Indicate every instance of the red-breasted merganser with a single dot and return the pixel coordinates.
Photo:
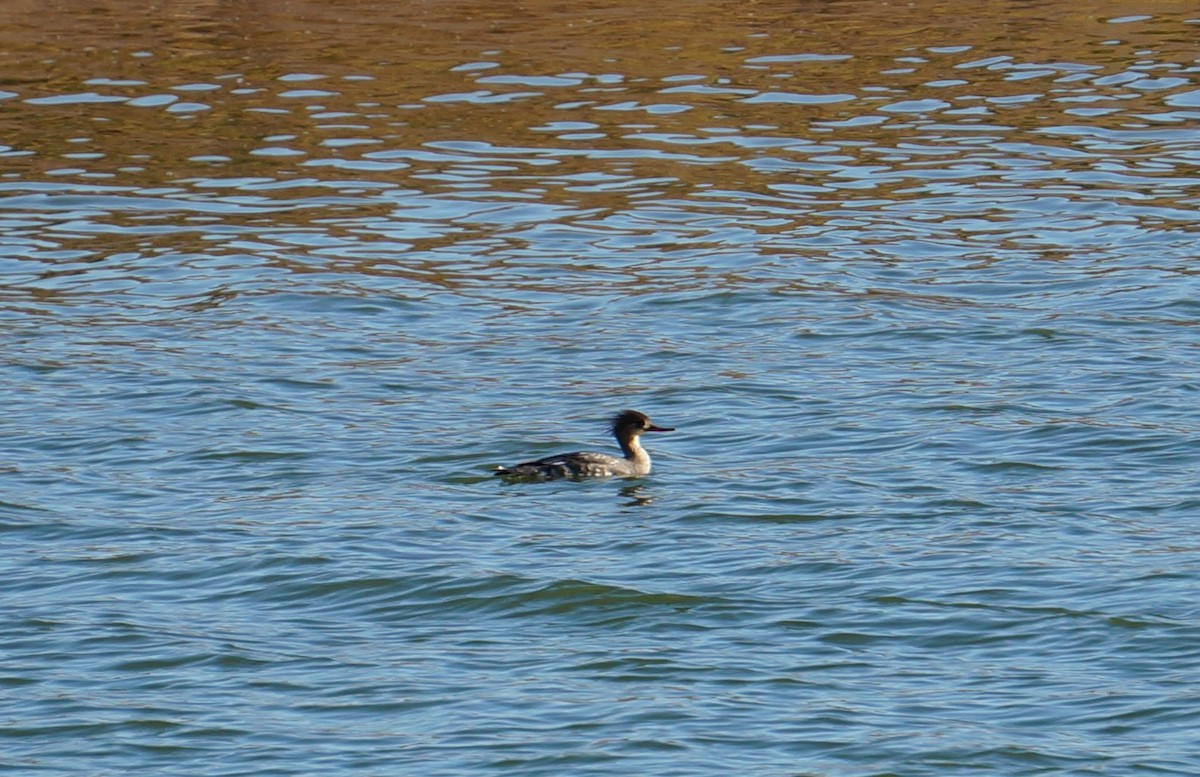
(627, 427)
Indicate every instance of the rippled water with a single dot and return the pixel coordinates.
(917, 285)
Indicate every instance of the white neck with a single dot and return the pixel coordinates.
(636, 455)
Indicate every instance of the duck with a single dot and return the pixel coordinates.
(627, 427)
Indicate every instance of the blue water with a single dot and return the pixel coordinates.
(927, 326)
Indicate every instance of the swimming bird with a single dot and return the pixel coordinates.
(627, 427)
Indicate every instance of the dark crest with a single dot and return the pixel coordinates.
(630, 418)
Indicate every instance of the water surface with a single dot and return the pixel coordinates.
(279, 285)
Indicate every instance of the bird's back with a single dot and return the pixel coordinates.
(580, 464)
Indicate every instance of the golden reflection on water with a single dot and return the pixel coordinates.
(348, 117)
(268, 85)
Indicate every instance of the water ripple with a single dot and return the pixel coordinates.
(917, 295)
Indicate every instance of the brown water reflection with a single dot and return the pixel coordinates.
(393, 128)
(107, 89)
